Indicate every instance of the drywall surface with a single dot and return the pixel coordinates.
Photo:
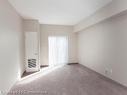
(56, 30)
(11, 47)
(30, 25)
(111, 9)
(103, 48)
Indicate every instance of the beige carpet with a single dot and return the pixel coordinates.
(68, 80)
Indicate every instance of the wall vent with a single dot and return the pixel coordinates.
(31, 63)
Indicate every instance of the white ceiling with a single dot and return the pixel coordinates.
(59, 12)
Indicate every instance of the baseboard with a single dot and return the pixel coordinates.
(72, 63)
(44, 66)
(105, 78)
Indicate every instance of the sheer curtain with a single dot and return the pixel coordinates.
(58, 50)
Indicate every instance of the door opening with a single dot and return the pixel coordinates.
(32, 51)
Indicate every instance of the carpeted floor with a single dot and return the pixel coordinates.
(67, 80)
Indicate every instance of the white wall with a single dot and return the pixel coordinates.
(104, 47)
(111, 9)
(30, 25)
(11, 46)
(47, 30)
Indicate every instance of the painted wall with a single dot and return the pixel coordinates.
(30, 25)
(47, 30)
(103, 48)
(11, 46)
(111, 9)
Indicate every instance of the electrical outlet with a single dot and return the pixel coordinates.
(108, 72)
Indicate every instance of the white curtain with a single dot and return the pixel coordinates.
(58, 50)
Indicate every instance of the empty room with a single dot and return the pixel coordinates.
(63, 47)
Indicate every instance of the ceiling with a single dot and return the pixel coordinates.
(59, 12)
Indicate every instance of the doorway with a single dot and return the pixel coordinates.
(32, 51)
(58, 50)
